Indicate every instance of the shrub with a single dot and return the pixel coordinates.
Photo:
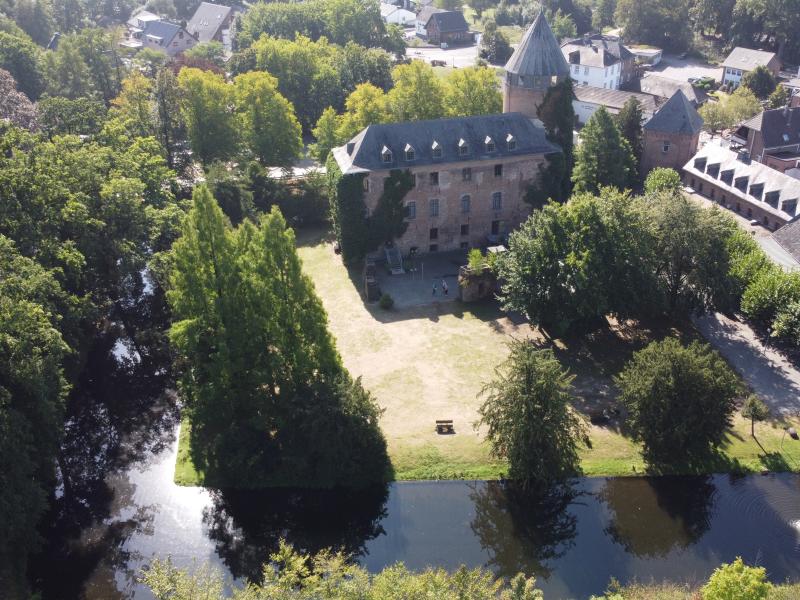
(386, 302)
(662, 179)
(787, 323)
(770, 290)
(738, 581)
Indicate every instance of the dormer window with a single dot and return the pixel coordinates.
(757, 190)
(713, 170)
(409, 152)
(727, 176)
(463, 147)
(511, 142)
(741, 183)
(772, 198)
(386, 155)
(436, 149)
(489, 143)
(700, 163)
(789, 206)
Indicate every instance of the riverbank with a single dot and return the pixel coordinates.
(430, 362)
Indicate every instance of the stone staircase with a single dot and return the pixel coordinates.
(394, 259)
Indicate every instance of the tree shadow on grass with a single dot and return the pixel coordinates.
(715, 461)
(774, 462)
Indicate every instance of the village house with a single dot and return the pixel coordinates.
(588, 99)
(397, 15)
(443, 26)
(158, 35)
(471, 175)
(211, 22)
(599, 61)
(743, 60)
(750, 188)
(772, 138)
(536, 65)
(671, 136)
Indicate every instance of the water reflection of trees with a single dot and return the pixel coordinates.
(118, 414)
(655, 515)
(523, 531)
(247, 525)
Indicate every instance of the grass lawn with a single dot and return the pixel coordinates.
(431, 362)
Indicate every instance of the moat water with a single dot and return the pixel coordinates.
(119, 508)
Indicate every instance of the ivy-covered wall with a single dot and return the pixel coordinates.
(357, 233)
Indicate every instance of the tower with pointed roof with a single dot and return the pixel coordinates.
(536, 64)
(671, 136)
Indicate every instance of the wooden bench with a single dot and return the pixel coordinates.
(444, 426)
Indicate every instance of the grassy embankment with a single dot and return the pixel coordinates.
(431, 363)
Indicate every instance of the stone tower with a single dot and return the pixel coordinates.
(671, 136)
(535, 65)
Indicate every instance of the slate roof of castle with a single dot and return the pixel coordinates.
(676, 116)
(538, 54)
(367, 147)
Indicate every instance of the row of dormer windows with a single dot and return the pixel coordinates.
(742, 183)
(410, 153)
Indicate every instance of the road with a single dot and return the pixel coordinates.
(760, 234)
(459, 56)
(766, 371)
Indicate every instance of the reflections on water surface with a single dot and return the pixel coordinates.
(118, 508)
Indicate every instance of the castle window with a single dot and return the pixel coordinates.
(434, 233)
(465, 229)
(436, 149)
(434, 207)
(409, 152)
(465, 203)
(411, 210)
(489, 142)
(386, 155)
(434, 178)
(463, 147)
(498, 170)
(665, 146)
(511, 142)
(497, 200)
(466, 174)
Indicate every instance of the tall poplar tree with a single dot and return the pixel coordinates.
(629, 121)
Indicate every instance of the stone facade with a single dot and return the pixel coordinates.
(525, 100)
(439, 216)
(670, 150)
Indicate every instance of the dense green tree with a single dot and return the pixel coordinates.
(742, 105)
(365, 106)
(170, 126)
(20, 57)
(679, 400)
(604, 157)
(268, 125)
(206, 109)
(663, 23)
(135, 106)
(569, 266)
(662, 179)
(761, 82)
(478, 6)
(713, 15)
(558, 116)
(692, 249)
(212, 51)
(715, 117)
(264, 386)
(418, 94)
(777, 19)
(786, 325)
(60, 116)
(779, 98)
(629, 122)
(769, 290)
(35, 17)
(563, 25)
(326, 135)
(472, 91)
(531, 388)
(447, 4)
(603, 14)
(737, 580)
(328, 576)
(32, 393)
(69, 15)
(495, 47)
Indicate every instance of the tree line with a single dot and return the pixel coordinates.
(291, 575)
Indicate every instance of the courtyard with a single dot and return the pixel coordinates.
(428, 359)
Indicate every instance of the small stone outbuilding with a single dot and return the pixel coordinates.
(671, 136)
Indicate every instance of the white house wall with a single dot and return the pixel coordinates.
(607, 77)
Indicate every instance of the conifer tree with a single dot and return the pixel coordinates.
(604, 157)
(629, 121)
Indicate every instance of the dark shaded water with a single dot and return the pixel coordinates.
(119, 508)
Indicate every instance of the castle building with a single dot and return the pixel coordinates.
(536, 65)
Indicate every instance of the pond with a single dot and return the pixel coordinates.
(118, 508)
